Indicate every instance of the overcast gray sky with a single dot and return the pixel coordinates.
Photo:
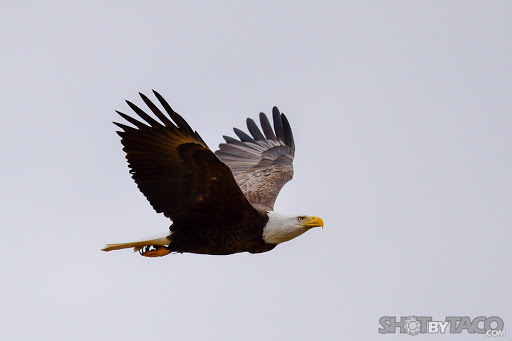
(402, 115)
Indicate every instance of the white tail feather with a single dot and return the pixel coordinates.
(162, 239)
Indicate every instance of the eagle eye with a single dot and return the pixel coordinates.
(300, 218)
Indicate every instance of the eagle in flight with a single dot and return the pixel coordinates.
(219, 203)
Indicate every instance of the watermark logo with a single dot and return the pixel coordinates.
(414, 325)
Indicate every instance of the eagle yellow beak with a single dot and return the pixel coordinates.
(312, 222)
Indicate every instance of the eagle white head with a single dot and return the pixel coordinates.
(282, 228)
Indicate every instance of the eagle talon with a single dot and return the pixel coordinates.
(154, 251)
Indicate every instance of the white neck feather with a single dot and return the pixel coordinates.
(281, 228)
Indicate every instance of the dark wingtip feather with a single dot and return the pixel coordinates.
(156, 111)
(267, 128)
(156, 93)
(288, 135)
(254, 130)
(278, 125)
(152, 122)
(229, 139)
(180, 122)
(123, 126)
(243, 136)
(133, 121)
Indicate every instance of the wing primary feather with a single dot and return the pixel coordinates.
(259, 145)
(230, 139)
(254, 130)
(124, 127)
(288, 135)
(267, 128)
(243, 136)
(278, 125)
(143, 115)
(133, 121)
(180, 122)
(167, 122)
(234, 141)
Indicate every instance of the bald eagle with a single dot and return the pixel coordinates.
(219, 203)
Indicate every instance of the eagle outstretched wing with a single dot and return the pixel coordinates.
(261, 164)
(176, 171)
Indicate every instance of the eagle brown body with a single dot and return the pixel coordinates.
(210, 239)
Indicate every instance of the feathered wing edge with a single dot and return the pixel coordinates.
(173, 167)
(262, 163)
(247, 152)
